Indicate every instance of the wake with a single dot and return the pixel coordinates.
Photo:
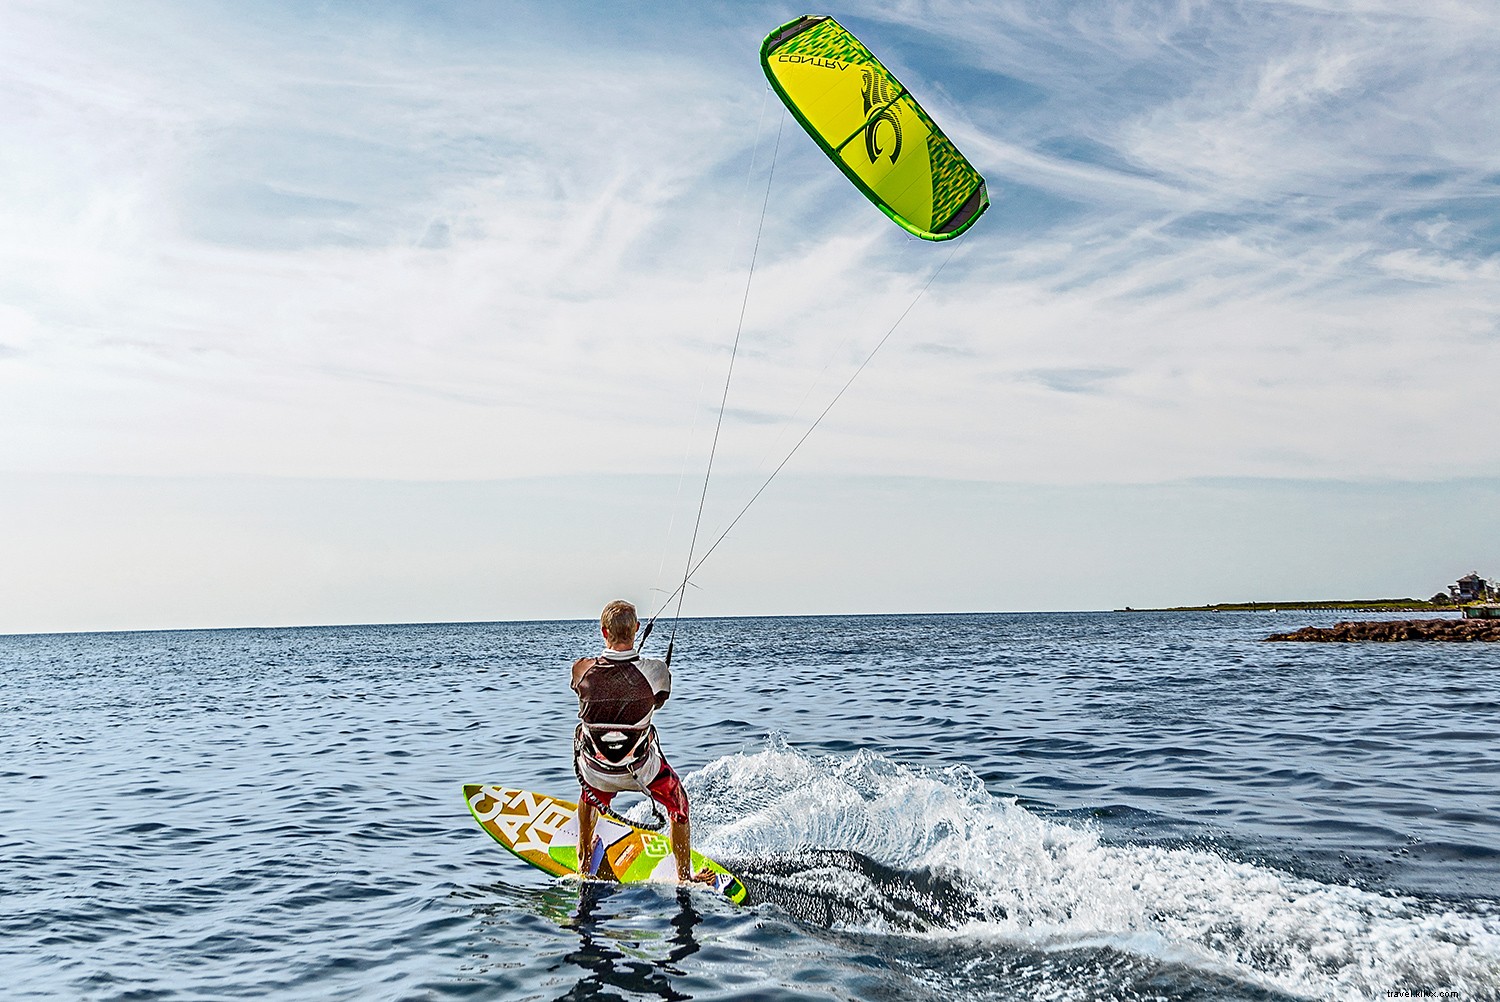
(865, 844)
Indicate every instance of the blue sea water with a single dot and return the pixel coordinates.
(1060, 806)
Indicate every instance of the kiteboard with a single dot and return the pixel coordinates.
(543, 831)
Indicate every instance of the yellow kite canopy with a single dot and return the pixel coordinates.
(872, 128)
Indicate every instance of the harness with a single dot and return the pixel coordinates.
(614, 749)
(633, 752)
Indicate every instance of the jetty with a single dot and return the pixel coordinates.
(1463, 631)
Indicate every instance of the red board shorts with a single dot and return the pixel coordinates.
(666, 789)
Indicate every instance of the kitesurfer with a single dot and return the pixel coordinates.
(615, 747)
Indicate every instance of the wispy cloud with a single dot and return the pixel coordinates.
(445, 252)
(1072, 380)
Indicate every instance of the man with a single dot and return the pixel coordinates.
(615, 748)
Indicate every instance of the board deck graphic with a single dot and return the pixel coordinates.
(543, 831)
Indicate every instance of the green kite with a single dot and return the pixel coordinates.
(868, 124)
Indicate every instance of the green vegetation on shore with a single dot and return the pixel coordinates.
(1378, 604)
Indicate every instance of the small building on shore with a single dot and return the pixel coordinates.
(1473, 588)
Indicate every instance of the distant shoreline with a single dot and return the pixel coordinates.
(1355, 605)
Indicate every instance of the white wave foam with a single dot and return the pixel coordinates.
(1054, 886)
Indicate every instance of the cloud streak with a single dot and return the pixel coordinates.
(1255, 217)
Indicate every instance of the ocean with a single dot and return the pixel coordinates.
(1044, 806)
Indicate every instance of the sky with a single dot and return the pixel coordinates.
(422, 312)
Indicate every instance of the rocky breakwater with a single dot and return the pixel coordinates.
(1448, 630)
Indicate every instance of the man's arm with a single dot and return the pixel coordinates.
(660, 676)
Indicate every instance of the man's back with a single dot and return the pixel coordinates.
(620, 690)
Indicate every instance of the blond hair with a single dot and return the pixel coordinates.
(619, 621)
